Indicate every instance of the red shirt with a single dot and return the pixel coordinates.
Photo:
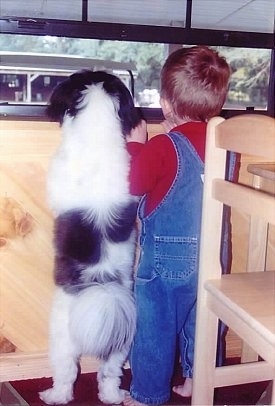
(154, 164)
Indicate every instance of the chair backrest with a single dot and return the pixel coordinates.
(248, 134)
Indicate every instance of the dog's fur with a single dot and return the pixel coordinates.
(93, 311)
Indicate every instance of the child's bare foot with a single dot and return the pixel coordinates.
(184, 390)
(129, 401)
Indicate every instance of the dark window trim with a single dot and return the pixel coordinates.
(151, 115)
(138, 33)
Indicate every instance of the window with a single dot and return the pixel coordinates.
(238, 15)
(249, 79)
(34, 80)
(132, 39)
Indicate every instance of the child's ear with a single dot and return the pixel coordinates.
(166, 107)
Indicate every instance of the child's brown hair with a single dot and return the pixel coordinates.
(195, 82)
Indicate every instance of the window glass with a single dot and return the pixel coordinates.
(162, 12)
(34, 84)
(250, 77)
(42, 9)
(238, 15)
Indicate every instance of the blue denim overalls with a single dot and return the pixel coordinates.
(166, 281)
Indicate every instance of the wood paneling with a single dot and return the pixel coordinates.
(26, 253)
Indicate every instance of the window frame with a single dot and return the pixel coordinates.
(137, 33)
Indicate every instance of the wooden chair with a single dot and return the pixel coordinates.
(243, 301)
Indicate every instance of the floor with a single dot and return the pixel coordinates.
(86, 392)
(86, 387)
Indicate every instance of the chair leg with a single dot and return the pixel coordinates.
(205, 358)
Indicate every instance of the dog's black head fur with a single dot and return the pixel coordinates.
(67, 95)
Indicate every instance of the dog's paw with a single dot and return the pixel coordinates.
(115, 398)
(56, 396)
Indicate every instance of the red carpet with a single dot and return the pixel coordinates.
(86, 391)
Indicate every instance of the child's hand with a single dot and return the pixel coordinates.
(138, 134)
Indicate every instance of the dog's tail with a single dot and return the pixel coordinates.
(103, 319)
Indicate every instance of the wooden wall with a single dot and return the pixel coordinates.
(26, 232)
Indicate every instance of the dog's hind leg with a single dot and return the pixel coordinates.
(64, 377)
(63, 354)
(108, 378)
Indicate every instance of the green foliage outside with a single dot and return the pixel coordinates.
(250, 67)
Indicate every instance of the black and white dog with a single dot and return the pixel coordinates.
(93, 311)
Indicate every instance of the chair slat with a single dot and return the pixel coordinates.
(231, 135)
(245, 199)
